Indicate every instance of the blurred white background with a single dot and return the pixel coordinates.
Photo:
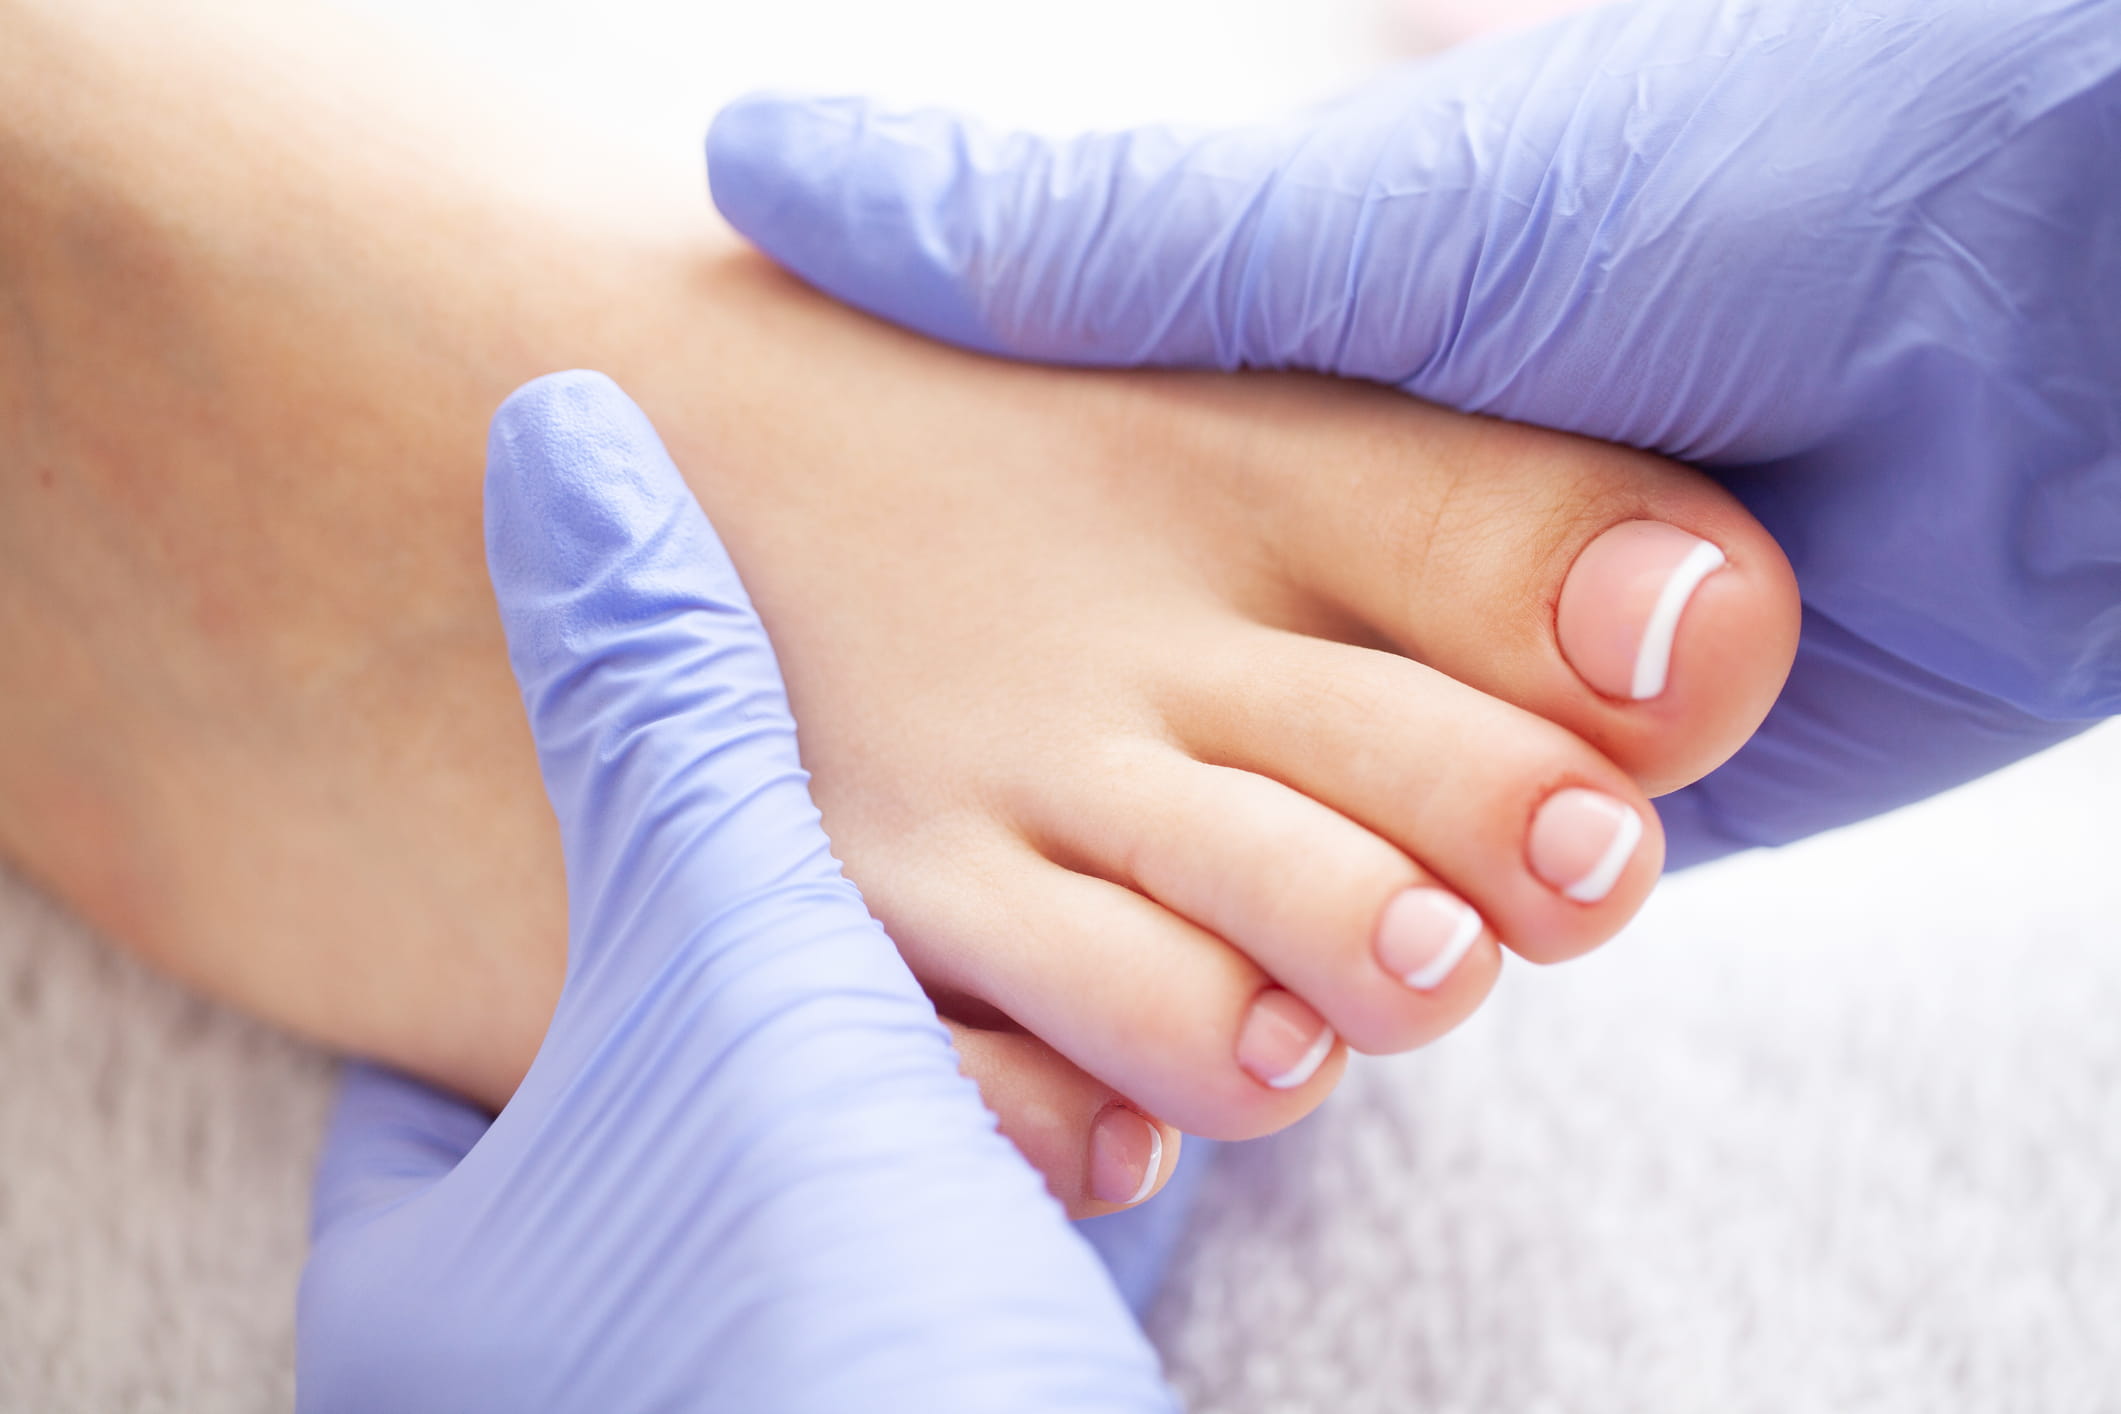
(1838, 1129)
(659, 68)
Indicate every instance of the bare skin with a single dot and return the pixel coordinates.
(1131, 701)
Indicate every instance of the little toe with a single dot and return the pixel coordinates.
(1098, 1153)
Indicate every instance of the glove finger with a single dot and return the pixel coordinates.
(390, 1137)
(1565, 226)
(1398, 236)
(1118, 248)
(1855, 733)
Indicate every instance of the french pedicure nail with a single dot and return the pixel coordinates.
(1283, 1042)
(1582, 841)
(1126, 1155)
(1422, 936)
(1621, 605)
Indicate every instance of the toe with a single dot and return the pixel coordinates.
(1150, 1004)
(1620, 595)
(1098, 1153)
(1546, 840)
(1331, 912)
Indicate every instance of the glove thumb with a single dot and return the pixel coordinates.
(662, 728)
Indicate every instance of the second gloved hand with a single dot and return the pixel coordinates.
(743, 1172)
(1863, 260)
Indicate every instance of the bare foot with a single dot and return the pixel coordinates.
(1182, 719)
(1191, 724)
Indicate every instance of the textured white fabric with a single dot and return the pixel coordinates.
(154, 1155)
(1837, 1130)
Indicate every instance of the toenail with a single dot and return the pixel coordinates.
(1283, 1042)
(1620, 606)
(1126, 1155)
(1423, 934)
(1582, 841)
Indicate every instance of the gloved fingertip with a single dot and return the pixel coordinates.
(577, 485)
(571, 465)
(759, 146)
(878, 210)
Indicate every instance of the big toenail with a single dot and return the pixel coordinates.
(1126, 1155)
(1582, 841)
(1621, 604)
(1283, 1042)
(1422, 935)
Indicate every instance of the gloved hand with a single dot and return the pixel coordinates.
(1862, 258)
(743, 1172)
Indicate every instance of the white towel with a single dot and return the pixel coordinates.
(1834, 1129)
(1837, 1129)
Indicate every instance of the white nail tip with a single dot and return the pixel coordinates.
(1653, 660)
(1307, 1067)
(1627, 833)
(1156, 1165)
(1430, 974)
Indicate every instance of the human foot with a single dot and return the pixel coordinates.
(1212, 710)
(1092, 671)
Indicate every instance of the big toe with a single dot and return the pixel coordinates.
(1619, 595)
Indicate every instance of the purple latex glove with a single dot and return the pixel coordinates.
(1862, 258)
(743, 1172)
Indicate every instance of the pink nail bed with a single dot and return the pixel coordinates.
(1581, 843)
(1126, 1156)
(1423, 935)
(1282, 1042)
(1622, 603)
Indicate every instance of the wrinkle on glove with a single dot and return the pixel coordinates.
(743, 1172)
(1859, 258)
